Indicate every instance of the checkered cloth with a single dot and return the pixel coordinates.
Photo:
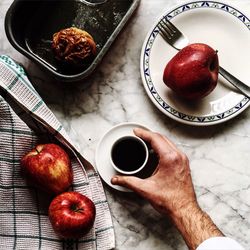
(24, 222)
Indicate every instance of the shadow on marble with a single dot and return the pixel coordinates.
(200, 132)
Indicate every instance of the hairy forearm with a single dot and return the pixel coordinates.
(194, 225)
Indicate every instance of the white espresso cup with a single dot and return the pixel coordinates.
(129, 155)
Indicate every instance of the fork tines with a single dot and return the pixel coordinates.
(166, 28)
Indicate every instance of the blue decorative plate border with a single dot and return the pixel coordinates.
(201, 120)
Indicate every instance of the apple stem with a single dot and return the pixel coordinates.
(216, 51)
(37, 150)
(76, 209)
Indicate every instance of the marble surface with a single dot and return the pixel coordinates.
(219, 155)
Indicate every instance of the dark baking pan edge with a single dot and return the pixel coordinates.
(59, 76)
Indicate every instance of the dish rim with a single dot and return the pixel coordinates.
(206, 120)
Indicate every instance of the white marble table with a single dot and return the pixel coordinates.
(219, 155)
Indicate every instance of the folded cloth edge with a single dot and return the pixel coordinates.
(15, 81)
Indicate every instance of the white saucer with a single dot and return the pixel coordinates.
(102, 154)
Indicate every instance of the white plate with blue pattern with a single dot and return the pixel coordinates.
(224, 28)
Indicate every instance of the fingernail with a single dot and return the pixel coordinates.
(114, 180)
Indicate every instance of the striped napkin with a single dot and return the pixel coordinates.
(24, 222)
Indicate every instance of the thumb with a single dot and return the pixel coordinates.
(134, 183)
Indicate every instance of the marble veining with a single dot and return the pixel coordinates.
(219, 155)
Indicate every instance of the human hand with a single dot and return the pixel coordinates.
(171, 192)
(170, 187)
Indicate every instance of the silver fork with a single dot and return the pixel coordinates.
(178, 40)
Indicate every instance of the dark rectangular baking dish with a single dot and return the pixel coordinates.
(30, 25)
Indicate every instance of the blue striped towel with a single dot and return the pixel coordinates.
(24, 222)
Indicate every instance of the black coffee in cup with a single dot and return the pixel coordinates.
(129, 153)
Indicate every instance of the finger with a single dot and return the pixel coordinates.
(143, 133)
(157, 141)
(131, 182)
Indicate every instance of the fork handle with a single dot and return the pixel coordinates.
(242, 87)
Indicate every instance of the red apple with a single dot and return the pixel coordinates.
(72, 215)
(193, 72)
(48, 167)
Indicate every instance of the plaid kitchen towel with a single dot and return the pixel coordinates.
(24, 222)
